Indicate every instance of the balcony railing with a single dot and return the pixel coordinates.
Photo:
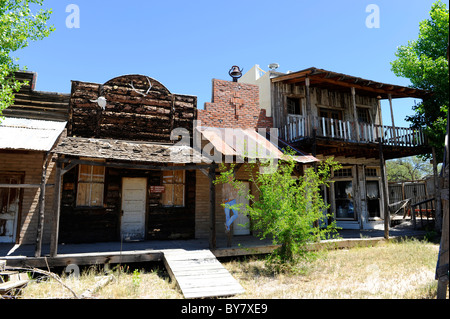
(301, 127)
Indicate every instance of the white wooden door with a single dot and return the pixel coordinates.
(241, 224)
(133, 208)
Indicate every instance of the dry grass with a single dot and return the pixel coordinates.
(127, 284)
(393, 270)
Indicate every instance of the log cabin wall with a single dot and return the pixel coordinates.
(148, 116)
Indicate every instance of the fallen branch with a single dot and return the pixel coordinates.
(49, 274)
(99, 285)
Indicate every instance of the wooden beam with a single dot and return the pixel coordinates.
(24, 185)
(308, 104)
(212, 208)
(56, 211)
(392, 119)
(355, 113)
(387, 215)
(133, 166)
(378, 89)
(40, 226)
(437, 194)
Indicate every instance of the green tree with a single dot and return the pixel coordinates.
(408, 169)
(18, 25)
(289, 210)
(424, 62)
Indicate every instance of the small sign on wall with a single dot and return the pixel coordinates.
(157, 189)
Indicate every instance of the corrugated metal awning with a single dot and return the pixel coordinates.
(247, 143)
(29, 134)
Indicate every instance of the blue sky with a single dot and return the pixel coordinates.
(185, 44)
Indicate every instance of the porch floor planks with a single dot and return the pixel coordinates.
(199, 274)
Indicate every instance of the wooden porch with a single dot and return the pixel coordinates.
(152, 250)
(195, 269)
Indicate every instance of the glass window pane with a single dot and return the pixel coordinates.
(343, 191)
(372, 190)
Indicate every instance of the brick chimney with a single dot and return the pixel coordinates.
(234, 105)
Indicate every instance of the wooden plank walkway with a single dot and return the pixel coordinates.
(199, 274)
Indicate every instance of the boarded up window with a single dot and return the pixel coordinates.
(91, 182)
(173, 182)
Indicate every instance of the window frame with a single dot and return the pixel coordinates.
(183, 183)
(90, 183)
(377, 178)
(337, 179)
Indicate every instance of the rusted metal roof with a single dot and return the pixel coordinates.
(128, 150)
(29, 134)
(247, 143)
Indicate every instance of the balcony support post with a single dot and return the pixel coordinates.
(394, 133)
(308, 108)
(355, 114)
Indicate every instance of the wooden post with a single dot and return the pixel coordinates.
(442, 266)
(355, 113)
(40, 227)
(212, 207)
(308, 105)
(387, 215)
(437, 195)
(380, 115)
(56, 211)
(394, 133)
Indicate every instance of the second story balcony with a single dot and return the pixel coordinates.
(328, 113)
(338, 137)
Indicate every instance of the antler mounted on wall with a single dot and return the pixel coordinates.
(141, 91)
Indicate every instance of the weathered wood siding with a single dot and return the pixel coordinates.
(146, 118)
(99, 224)
(202, 223)
(29, 165)
(32, 104)
(320, 98)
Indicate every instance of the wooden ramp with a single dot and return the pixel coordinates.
(199, 274)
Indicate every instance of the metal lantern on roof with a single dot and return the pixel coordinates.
(235, 72)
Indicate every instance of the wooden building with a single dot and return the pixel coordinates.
(120, 171)
(30, 129)
(333, 114)
(237, 130)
